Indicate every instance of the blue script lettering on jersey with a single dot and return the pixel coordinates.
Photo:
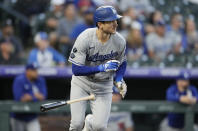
(98, 57)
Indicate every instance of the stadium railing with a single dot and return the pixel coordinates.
(6, 107)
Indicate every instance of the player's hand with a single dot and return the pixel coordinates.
(26, 98)
(39, 96)
(188, 100)
(193, 100)
(109, 66)
(122, 87)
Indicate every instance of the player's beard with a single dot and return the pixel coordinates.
(185, 87)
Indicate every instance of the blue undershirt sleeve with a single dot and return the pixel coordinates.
(84, 70)
(120, 72)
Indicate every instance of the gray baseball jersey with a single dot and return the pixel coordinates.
(89, 51)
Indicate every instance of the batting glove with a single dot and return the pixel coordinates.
(122, 87)
(109, 66)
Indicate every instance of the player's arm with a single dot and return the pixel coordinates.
(119, 81)
(122, 68)
(171, 95)
(194, 99)
(42, 94)
(18, 91)
(195, 93)
(120, 72)
(82, 70)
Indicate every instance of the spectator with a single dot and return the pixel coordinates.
(82, 5)
(65, 27)
(54, 16)
(158, 43)
(7, 56)
(175, 33)
(87, 23)
(152, 20)
(155, 17)
(190, 37)
(43, 54)
(27, 10)
(28, 87)
(105, 2)
(181, 92)
(141, 6)
(49, 21)
(52, 21)
(8, 36)
(30, 7)
(135, 48)
(130, 15)
(119, 121)
(176, 23)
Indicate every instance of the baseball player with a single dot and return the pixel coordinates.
(182, 92)
(28, 87)
(98, 59)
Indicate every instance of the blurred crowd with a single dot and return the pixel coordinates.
(152, 40)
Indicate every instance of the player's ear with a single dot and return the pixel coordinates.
(99, 24)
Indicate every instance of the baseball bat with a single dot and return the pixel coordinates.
(53, 105)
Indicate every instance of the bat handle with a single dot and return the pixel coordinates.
(49, 106)
(91, 97)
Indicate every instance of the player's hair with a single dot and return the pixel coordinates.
(67, 5)
(174, 15)
(97, 23)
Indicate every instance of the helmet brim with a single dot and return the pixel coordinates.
(119, 16)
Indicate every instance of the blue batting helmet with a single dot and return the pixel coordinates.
(106, 13)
